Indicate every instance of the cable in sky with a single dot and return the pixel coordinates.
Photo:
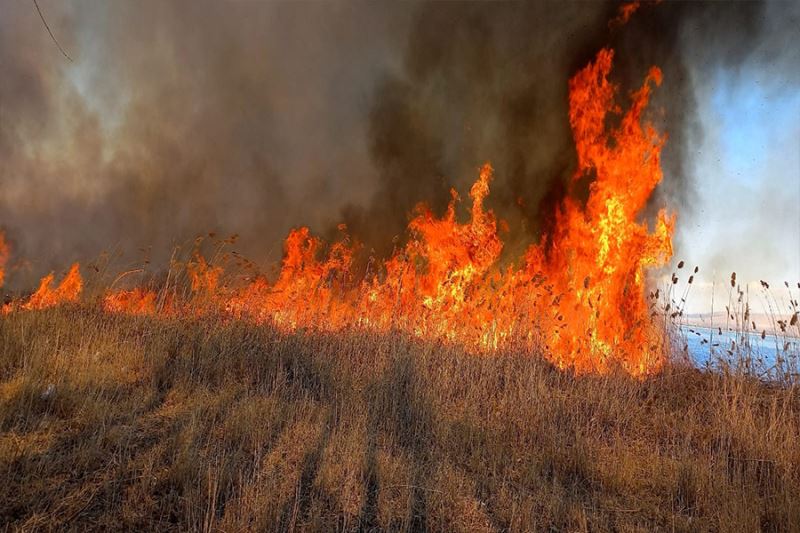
(41, 16)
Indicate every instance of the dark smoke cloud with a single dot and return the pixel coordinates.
(180, 118)
(488, 81)
(481, 82)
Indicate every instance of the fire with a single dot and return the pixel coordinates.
(598, 258)
(69, 290)
(577, 296)
(4, 253)
(204, 277)
(624, 14)
(136, 301)
(580, 293)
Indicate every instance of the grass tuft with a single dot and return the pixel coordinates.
(124, 422)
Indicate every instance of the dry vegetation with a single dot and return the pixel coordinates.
(115, 422)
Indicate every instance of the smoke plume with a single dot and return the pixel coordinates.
(177, 119)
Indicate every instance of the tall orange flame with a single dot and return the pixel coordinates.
(599, 255)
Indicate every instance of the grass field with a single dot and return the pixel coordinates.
(119, 422)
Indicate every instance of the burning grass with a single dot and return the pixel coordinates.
(140, 422)
(578, 293)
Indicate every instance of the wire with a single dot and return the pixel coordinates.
(41, 16)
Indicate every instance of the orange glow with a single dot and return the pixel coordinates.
(598, 257)
(136, 301)
(577, 295)
(4, 253)
(203, 277)
(624, 14)
(69, 290)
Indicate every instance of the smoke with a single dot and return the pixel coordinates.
(176, 119)
(745, 217)
(481, 82)
(488, 81)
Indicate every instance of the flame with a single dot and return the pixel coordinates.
(137, 301)
(580, 292)
(577, 296)
(624, 14)
(204, 278)
(69, 290)
(5, 251)
(598, 257)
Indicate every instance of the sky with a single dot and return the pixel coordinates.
(745, 217)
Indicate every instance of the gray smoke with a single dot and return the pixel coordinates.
(177, 119)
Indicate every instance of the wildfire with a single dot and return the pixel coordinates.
(69, 290)
(136, 301)
(580, 292)
(4, 253)
(624, 14)
(599, 253)
(578, 295)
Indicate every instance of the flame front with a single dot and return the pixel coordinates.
(137, 301)
(577, 296)
(69, 290)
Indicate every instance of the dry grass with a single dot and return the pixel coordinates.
(113, 422)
